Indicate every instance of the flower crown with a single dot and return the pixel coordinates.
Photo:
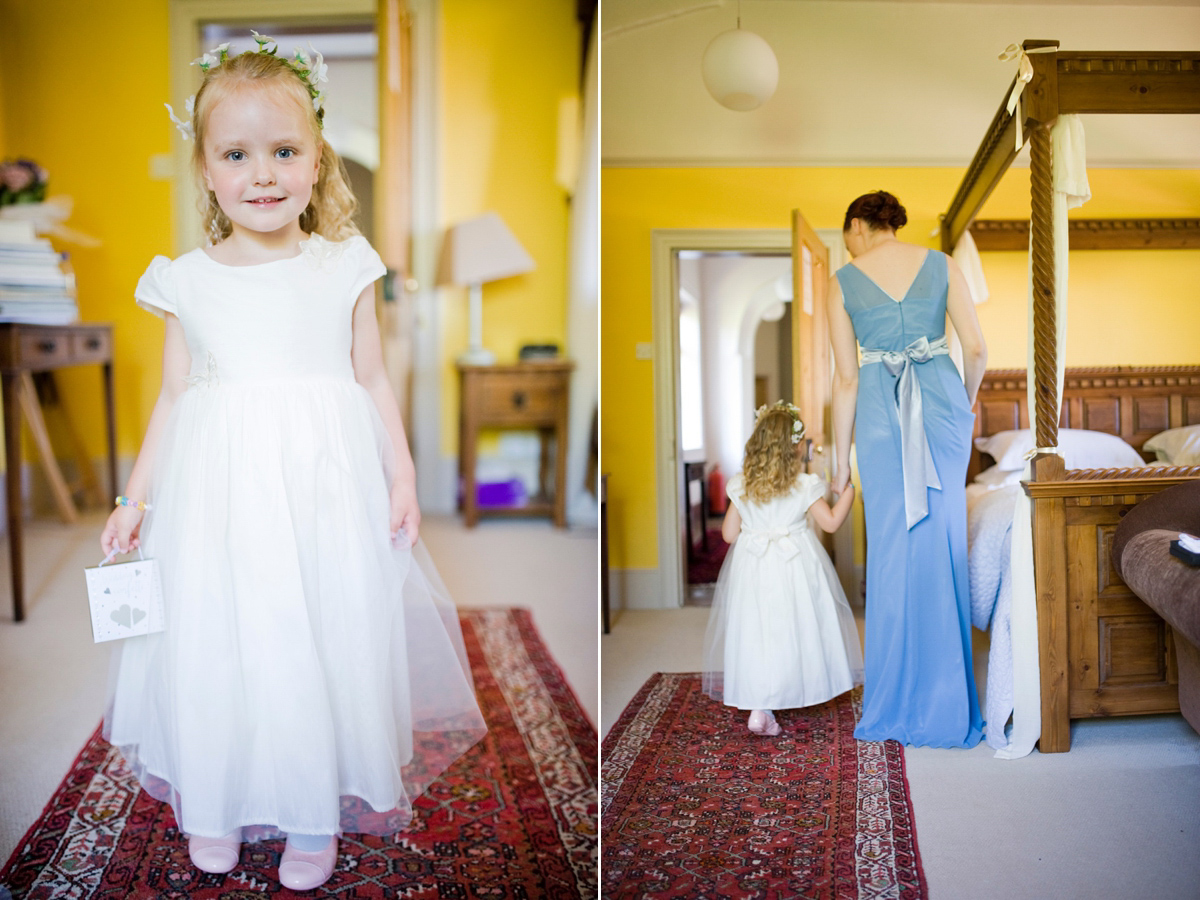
(311, 70)
(798, 427)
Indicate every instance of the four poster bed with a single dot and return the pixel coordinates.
(1101, 651)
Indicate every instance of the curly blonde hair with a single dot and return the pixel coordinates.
(771, 463)
(330, 212)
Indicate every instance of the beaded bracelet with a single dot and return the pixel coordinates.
(138, 504)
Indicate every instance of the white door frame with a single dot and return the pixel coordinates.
(435, 487)
(667, 244)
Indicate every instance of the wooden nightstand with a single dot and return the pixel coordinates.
(519, 396)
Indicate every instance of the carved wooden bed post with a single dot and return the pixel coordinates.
(1049, 524)
(1101, 652)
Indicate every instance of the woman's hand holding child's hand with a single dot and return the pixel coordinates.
(121, 531)
(406, 514)
(842, 479)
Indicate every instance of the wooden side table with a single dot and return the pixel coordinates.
(521, 396)
(25, 349)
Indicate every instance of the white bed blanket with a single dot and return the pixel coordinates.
(989, 543)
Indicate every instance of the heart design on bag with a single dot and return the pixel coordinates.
(127, 617)
(125, 600)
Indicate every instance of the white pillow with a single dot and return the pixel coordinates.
(1178, 447)
(1081, 449)
(995, 477)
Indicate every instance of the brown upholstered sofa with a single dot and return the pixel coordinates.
(1169, 586)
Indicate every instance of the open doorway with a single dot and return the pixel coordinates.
(735, 354)
(728, 381)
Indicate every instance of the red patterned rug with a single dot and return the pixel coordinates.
(514, 818)
(694, 805)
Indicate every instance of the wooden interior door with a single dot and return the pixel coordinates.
(393, 197)
(811, 382)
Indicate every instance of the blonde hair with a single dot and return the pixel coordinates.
(771, 463)
(330, 212)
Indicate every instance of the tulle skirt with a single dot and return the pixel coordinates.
(781, 634)
(311, 677)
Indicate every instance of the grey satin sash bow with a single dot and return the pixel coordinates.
(919, 471)
(759, 540)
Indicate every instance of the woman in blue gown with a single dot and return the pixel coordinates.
(910, 413)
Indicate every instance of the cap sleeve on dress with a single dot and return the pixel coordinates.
(812, 488)
(368, 267)
(735, 489)
(155, 290)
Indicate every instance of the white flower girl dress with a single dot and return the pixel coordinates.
(312, 675)
(781, 634)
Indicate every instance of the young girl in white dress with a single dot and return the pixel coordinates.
(781, 634)
(311, 677)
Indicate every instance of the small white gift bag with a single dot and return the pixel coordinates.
(126, 598)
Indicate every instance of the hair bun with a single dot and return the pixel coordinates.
(879, 210)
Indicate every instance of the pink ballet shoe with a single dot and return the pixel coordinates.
(302, 871)
(218, 855)
(762, 721)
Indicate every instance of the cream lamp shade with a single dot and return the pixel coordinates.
(740, 70)
(473, 252)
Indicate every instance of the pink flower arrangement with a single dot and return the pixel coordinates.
(22, 181)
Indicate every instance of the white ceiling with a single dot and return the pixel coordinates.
(863, 83)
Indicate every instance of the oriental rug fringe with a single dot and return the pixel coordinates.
(514, 818)
(694, 805)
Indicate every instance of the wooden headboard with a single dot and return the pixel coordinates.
(1134, 402)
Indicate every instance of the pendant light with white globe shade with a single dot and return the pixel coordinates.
(740, 69)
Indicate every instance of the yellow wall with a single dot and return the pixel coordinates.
(1125, 307)
(93, 125)
(82, 87)
(504, 69)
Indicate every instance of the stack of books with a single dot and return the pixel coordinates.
(36, 285)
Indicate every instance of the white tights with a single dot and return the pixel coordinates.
(309, 843)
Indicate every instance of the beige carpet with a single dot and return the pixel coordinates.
(53, 678)
(1116, 818)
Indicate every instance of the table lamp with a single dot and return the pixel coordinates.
(478, 250)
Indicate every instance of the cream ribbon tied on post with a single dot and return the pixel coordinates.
(1024, 76)
(916, 459)
(759, 540)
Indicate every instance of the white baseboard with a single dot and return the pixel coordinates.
(636, 589)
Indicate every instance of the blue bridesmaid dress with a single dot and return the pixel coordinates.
(913, 436)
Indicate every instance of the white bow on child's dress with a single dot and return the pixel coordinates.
(759, 540)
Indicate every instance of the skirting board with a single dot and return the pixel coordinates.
(635, 589)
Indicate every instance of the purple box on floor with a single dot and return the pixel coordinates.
(500, 493)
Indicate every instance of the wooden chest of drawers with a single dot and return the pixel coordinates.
(520, 396)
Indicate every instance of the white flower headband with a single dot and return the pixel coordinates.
(312, 71)
(798, 427)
